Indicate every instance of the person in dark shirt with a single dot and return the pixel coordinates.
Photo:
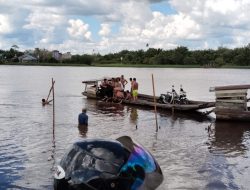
(83, 117)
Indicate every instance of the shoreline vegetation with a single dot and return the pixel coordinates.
(125, 65)
(180, 57)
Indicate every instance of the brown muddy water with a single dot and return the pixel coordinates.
(190, 157)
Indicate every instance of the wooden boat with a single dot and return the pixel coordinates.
(231, 102)
(91, 88)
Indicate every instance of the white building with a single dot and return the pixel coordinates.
(57, 55)
(27, 58)
(66, 56)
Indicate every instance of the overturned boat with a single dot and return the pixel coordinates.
(92, 88)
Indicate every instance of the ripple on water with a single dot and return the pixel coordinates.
(186, 161)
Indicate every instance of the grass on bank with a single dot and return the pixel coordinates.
(103, 65)
(121, 65)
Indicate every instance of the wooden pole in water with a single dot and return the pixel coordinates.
(50, 89)
(155, 103)
(53, 94)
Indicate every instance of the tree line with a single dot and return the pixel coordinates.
(178, 56)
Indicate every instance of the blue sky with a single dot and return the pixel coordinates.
(108, 26)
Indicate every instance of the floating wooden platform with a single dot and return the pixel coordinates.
(231, 102)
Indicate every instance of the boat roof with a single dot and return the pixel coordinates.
(90, 81)
(229, 87)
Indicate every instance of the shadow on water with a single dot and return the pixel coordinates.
(133, 115)
(229, 137)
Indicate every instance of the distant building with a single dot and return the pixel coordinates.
(59, 56)
(27, 58)
(66, 56)
(56, 55)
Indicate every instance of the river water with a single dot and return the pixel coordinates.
(190, 157)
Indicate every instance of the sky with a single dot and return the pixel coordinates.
(95, 26)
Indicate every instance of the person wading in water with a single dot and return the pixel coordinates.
(83, 118)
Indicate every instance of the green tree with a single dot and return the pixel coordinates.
(219, 61)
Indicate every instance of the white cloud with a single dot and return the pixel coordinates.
(41, 19)
(105, 29)
(79, 29)
(172, 27)
(134, 17)
(5, 26)
(223, 6)
(66, 24)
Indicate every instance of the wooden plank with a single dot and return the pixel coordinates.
(230, 106)
(231, 101)
(231, 93)
(232, 96)
(242, 91)
(229, 87)
(232, 115)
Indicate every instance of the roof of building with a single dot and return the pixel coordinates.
(27, 57)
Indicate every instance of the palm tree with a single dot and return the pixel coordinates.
(15, 47)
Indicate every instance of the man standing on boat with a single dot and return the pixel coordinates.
(135, 89)
(83, 117)
(131, 84)
(123, 81)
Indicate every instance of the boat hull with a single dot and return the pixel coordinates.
(148, 101)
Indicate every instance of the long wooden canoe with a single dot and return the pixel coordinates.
(147, 101)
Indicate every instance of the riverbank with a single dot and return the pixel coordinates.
(127, 65)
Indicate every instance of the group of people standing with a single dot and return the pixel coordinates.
(115, 89)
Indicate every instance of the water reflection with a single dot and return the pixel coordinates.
(229, 137)
(108, 108)
(133, 115)
(195, 116)
(25, 129)
(10, 165)
(83, 129)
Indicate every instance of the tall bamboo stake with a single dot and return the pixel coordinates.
(155, 103)
(53, 93)
(50, 89)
